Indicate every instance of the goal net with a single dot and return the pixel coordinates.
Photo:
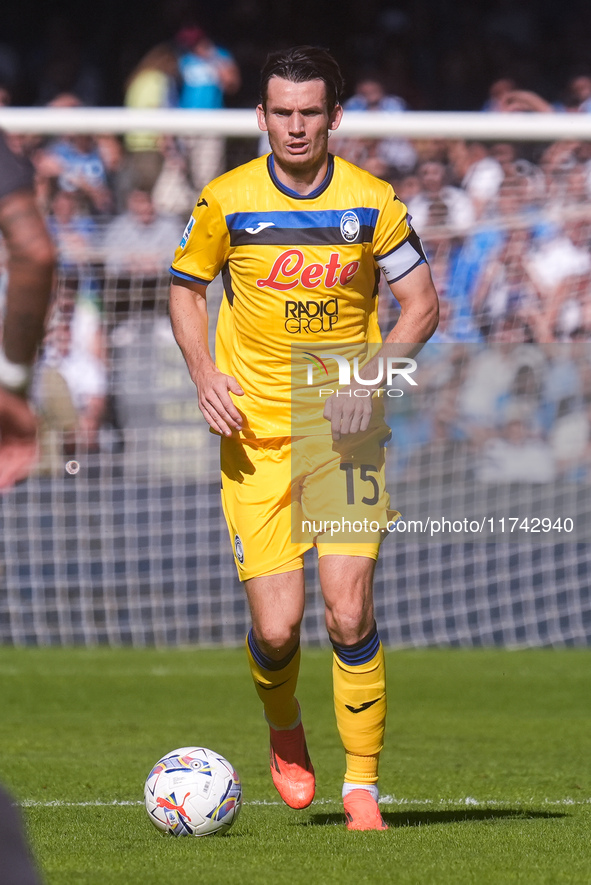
(118, 535)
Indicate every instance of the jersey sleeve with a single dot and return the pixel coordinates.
(397, 248)
(205, 244)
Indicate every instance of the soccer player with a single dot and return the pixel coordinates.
(30, 270)
(298, 236)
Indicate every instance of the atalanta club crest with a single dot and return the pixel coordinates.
(350, 226)
(239, 549)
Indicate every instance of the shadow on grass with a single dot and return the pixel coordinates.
(426, 818)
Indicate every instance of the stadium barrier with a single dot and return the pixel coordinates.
(118, 536)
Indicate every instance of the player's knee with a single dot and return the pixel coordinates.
(277, 641)
(348, 624)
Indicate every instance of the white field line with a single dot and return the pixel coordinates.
(466, 802)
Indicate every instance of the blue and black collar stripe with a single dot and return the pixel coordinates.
(291, 193)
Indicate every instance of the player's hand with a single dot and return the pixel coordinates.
(216, 403)
(348, 413)
(18, 439)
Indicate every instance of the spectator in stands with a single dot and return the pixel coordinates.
(577, 99)
(383, 157)
(407, 187)
(515, 453)
(499, 89)
(505, 289)
(580, 292)
(208, 73)
(513, 201)
(73, 231)
(559, 267)
(477, 172)
(139, 242)
(152, 84)
(578, 93)
(559, 160)
(511, 210)
(72, 386)
(118, 169)
(431, 435)
(569, 311)
(76, 165)
(488, 379)
(523, 183)
(576, 188)
(505, 153)
(370, 95)
(570, 437)
(524, 397)
(157, 164)
(173, 193)
(435, 196)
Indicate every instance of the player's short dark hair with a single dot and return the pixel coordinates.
(301, 64)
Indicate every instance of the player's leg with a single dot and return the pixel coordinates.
(273, 643)
(344, 498)
(273, 647)
(359, 680)
(257, 502)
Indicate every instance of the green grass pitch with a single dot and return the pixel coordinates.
(486, 773)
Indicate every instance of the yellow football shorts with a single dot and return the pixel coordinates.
(283, 496)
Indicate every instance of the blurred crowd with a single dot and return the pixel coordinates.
(506, 226)
(495, 414)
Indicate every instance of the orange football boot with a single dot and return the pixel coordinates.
(291, 769)
(362, 812)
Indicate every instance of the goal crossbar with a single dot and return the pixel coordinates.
(242, 123)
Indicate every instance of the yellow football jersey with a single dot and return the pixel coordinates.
(297, 271)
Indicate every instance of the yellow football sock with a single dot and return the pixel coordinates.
(275, 683)
(359, 681)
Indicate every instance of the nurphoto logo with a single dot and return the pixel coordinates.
(386, 370)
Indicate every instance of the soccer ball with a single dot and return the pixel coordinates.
(193, 792)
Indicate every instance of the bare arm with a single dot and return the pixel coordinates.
(229, 76)
(419, 309)
(418, 320)
(30, 272)
(188, 315)
(522, 100)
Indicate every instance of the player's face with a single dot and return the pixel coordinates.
(297, 120)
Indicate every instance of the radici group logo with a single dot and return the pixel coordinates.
(311, 316)
(385, 370)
